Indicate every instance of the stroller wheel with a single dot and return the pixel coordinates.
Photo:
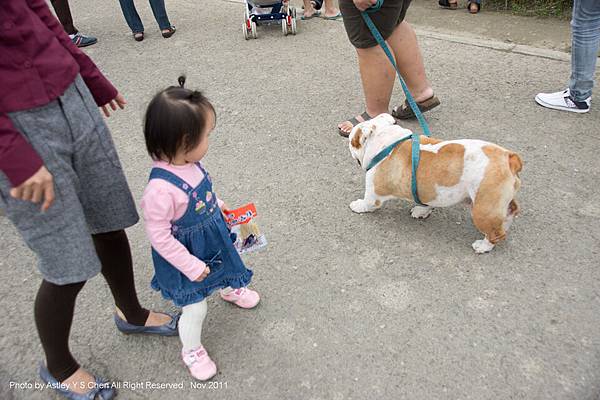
(246, 36)
(284, 26)
(253, 29)
(293, 26)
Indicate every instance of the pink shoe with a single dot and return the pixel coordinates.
(242, 297)
(199, 363)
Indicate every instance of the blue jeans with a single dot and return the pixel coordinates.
(584, 52)
(133, 18)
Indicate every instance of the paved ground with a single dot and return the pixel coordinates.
(354, 306)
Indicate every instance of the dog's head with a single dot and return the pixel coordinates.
(362, 132)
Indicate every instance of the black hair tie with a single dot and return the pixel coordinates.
(195, 96)
(181, 81)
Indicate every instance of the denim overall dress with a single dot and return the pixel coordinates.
(203, 231)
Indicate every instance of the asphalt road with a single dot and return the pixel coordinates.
(376, 306)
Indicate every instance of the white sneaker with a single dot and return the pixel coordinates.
(563, 101)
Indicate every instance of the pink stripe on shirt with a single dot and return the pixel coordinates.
(163, 203)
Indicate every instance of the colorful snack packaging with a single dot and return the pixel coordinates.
(241, 222)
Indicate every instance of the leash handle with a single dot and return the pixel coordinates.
(375, 7)
(388, 53)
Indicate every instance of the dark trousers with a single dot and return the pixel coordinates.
(63, 12)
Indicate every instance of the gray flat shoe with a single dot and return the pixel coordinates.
(168, 329)
(101, 390)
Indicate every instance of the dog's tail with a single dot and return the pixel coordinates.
(515, 163)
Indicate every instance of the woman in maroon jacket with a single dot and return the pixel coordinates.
(62, 185)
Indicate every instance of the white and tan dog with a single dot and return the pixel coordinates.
(450, 171)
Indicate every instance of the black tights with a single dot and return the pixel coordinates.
(63, 13)
(54, 304)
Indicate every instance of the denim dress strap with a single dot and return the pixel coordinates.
(160, 173)
(201, 168)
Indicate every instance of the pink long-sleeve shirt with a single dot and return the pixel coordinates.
(162, 204)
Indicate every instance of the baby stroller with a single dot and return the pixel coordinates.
(259, 12)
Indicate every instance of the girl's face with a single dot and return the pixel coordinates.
(197, 153)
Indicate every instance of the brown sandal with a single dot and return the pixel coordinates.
(447, 4)
(405, 112)
(473, 10)
(354, 122)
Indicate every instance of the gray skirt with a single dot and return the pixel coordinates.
(92, 195)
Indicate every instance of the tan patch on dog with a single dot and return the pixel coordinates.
(444, 168)
(495, 198)
(356, 138)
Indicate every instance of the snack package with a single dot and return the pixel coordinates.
(241, 222)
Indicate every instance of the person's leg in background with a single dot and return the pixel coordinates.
(160, 14)
(330, 10)
(63, 13)
(309, 10)
(585, 26)
(132, 18)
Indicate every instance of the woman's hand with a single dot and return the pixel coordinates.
(203, 275)
(38, 187)
(117, 101)
(362, 5)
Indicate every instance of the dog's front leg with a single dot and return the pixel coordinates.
(372, 201)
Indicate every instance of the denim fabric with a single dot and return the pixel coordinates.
(133, 18)
(585, 25)
(203, 231)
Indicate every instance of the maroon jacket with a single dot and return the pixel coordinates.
(38, 62)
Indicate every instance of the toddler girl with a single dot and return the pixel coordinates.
(192, 250)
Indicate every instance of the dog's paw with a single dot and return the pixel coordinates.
(360, 206)
(482, 246)
(421, 212)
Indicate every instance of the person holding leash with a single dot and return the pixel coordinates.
(377, 73)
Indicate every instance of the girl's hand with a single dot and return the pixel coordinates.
(37, 188)
(203, 275)
(224, 210)
(362, 5)
(117, 101)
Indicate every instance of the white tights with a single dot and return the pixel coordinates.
(190, 323)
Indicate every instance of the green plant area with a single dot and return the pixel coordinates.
(541, 8)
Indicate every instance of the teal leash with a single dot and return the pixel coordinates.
(416, 144)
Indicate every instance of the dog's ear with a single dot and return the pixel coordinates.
(361, 134)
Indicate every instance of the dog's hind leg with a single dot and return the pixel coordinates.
(492, 216)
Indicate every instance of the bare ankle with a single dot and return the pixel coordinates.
(423, 95)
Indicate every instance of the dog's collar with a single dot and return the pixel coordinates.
(386, 152)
